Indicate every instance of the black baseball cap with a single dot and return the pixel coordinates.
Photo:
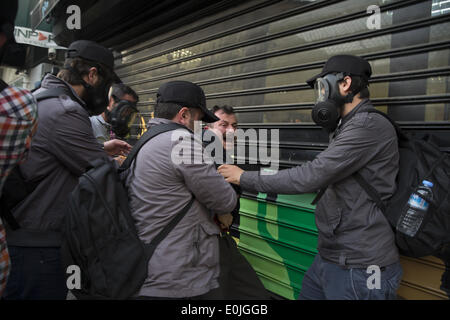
(352, 65)
(187, 94)
(91, 50)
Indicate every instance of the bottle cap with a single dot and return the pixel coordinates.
(427, 183)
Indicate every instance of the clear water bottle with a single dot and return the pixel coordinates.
(411, 220)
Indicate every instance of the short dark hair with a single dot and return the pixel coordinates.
(225, 108)
(75, 68)
(168, 110)
(118, 90)
(359, 85)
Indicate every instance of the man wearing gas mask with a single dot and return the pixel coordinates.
(118, 117)
(62, 149)
(355, 240)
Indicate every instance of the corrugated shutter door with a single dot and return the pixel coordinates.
(257, 56)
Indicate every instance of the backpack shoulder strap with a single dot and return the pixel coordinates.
(148, 135)
(400, 133)
(150, 247)
(359, 178)
(319, 195)
(371, 191)
(373, 194)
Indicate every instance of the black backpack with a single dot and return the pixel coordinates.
(99, 232)
(420, 159)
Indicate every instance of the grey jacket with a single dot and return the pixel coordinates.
(186, 262)
(353, 231)
(61, 149)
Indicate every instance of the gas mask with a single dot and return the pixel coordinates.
(329, 102)
(96, 98)
(122, 117)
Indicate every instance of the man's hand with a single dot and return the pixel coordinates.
(120, 159)
(117, 147)
(231, 173)
(225, 220)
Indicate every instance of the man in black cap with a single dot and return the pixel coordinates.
(168, 171)
(355, 239)
(62, 149)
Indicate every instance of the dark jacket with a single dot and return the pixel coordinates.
(60, 151)
(208, 140)
(353, 231)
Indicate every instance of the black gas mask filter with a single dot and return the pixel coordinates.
(121, 117)
(96, 98)
(329, 102)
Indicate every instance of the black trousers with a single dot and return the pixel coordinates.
(36, 274)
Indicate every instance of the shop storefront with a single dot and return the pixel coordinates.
(256, 56)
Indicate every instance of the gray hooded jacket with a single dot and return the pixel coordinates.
(60, 152)
(186, 262)
(353, 231)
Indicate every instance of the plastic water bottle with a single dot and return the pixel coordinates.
(411, 220)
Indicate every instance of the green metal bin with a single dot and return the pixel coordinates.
(279, 239)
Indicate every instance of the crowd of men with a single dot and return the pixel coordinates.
(84, 112)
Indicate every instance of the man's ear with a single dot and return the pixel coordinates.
(181, 117)
(345, 84)
(93, 75)
(184, 112)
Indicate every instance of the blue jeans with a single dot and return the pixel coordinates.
(36, 274)
(328, 281)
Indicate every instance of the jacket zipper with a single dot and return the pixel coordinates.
(196, 245)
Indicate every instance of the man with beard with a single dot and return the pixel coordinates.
(163, 179)
(226, 126)
(62, 149)
(238, 280)
(224, 130)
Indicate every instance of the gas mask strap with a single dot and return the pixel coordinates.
(75, 72)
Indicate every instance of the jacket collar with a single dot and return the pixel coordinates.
(50, 81)
(359, 107)
(156, 121)
(364, 104)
